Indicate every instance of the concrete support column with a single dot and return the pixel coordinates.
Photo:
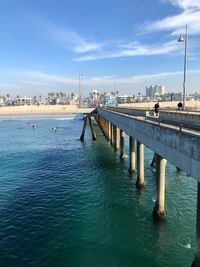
(97, 118)
(116, 133)
(105, 128)
(196, 262)
(114, 136)
(159, 209)
(122, 144)
(153, 162)
(140, 165)
(84, 127)
(131, 154)
(109, 131)
(100, 122)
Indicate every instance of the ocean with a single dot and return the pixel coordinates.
(66, 203)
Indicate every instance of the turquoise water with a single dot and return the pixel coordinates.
(67, 203)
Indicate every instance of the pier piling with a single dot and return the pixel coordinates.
(109, 131)
(153, 162)
(159, 209)
(83, 131)
(131, 154)
(122, 145)
(116, 133)
(94, 137)
(140, 165)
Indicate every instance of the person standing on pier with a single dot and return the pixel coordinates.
(156, 108)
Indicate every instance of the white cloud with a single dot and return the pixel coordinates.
(45, 77)
(40, 80)
(185, 4)
(132, 49)
(176, 24)
(40, 83)
(67, 37)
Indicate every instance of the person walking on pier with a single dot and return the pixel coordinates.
(180, 105)
(156, 108)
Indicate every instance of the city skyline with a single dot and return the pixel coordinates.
(123, 45)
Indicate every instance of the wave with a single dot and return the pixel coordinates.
(40, 118)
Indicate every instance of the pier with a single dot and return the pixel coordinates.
(173, 136)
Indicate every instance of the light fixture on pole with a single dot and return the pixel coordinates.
(181, 40)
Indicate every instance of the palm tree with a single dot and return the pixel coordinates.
(92, 97)
(57, 95)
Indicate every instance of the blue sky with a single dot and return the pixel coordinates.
(46, 43)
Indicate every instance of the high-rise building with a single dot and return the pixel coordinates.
(156, 90)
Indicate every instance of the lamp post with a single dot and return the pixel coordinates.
(181, 40)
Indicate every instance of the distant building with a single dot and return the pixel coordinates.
(22, 101)
(2, 103)
(156, 90)
(109, 100)
(124, 99)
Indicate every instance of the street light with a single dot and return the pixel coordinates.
(181, 40)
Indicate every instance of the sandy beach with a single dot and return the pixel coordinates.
(46, 109)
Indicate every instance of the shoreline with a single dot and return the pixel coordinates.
(42, 110)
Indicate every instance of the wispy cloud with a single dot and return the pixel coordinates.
(184, 4)
(36, 77)
(67, 37)
(190, 14)
(35, 82)
(45, 77)
(132, 49)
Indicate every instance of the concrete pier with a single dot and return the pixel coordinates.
(159, 209)
(169, 141)
(196, 262)
(122, 145)
(131, 154)
(140, 165)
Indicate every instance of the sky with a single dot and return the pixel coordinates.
(122, 45)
